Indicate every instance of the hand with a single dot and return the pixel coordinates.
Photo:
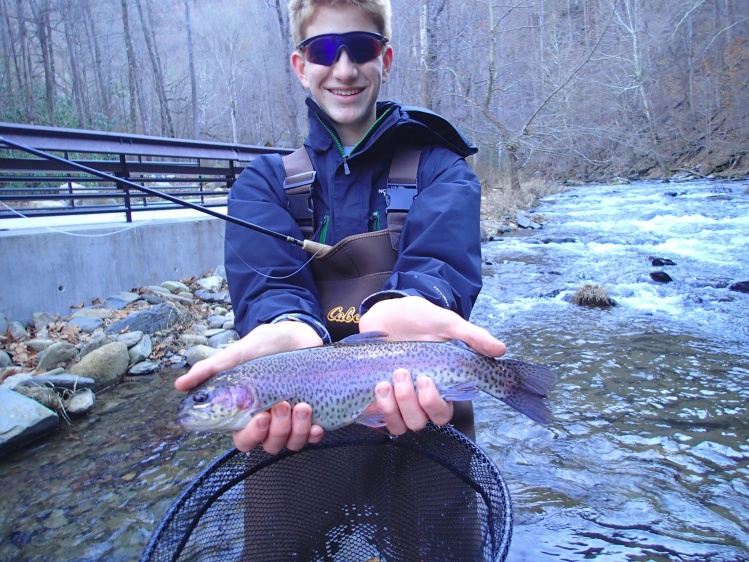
(281, 427)
(416, 319)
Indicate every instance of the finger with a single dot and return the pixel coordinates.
(205, 369)
(301, 424)
(403, 387)
(316, 433)
(280, 428)
(255, 433)
(438, 410)
(479, 339)
(389, 408)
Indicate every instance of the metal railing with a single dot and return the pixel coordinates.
(172, 172)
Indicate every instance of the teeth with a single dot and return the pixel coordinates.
(345, 92)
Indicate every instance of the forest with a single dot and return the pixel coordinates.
(581, 89)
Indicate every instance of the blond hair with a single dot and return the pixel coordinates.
(301, 13)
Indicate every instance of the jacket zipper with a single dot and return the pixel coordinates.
(346, 169)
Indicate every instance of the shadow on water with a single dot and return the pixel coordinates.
(648, 455)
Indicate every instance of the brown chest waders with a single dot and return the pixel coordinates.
(358, 266)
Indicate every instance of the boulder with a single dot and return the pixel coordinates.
(175, 287)
(80, 403)
(741, 287)
(22, 420)
(141, 350)
(130, 338)
(660, 277)
(57, 353)
(198, 353)
(150, 320)
(212, 283)
(107, 365)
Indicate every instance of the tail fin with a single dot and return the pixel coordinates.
(529, 396)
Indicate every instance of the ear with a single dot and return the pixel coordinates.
(387, 62)
(300, 66)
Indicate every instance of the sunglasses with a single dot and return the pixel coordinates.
(361, 46)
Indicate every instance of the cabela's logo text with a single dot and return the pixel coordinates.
(338, 315)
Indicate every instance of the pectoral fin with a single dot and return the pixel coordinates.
(371, 416)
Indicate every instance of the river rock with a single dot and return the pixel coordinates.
(56, 354)
(660, 262)
(193, 339)
(212, 283)
(18, 379)
(525, 222)
(741, 287)
(159, 317)
(121, 300)
(107, 365)
(159, 290)
(5, 359)
(198, 353)
(42, 320)
(216, 321)
(175, 287)
(130, 338)
(223, 338)
(660, 277)
(63, 380)
(80, 403)
(143, 368)
(141, 350)
(102, 313)
(17, 331)
(39, 344)
(86, 324)
(98, 338)
(22, 420)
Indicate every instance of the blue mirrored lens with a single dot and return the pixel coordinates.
(361, 46)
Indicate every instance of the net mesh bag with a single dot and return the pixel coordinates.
(360, 495)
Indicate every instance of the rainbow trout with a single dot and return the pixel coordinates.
(338, 382)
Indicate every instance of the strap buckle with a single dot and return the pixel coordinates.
(400, 196)
(299, 180)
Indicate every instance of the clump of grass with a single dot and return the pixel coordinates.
(593, 295)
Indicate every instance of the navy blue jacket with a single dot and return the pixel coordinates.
(439, 256)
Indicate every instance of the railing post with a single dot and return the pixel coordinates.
(123, 173)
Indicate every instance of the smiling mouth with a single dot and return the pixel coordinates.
(345, 93)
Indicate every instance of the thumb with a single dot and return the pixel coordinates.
(480, 340)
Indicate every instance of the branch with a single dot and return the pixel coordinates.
(569, 78)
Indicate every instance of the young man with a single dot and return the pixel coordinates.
(342, 58)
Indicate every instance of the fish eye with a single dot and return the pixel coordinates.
(201, 397)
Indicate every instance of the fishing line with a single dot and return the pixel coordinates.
(76, 234)
(277, 277)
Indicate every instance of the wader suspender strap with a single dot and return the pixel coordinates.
(300, 175)
(399, 195)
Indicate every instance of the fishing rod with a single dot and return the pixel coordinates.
(309, 246)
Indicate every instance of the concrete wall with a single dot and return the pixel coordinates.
(49, 271)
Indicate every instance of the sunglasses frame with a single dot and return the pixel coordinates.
(341, 40)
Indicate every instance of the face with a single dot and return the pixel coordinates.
(346, 91)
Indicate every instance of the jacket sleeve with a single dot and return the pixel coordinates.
(440, 246)
(268, 278)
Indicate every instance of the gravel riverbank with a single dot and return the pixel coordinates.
(53, 369)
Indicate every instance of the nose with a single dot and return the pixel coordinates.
(344, 68)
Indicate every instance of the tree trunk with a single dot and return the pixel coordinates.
(158, 75)
(283, 27)
(70, 41)
(101, 82)
(131, 70)
(25, 72)
(193, 78)
(41, 19)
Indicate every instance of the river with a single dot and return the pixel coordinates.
(648, 454)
